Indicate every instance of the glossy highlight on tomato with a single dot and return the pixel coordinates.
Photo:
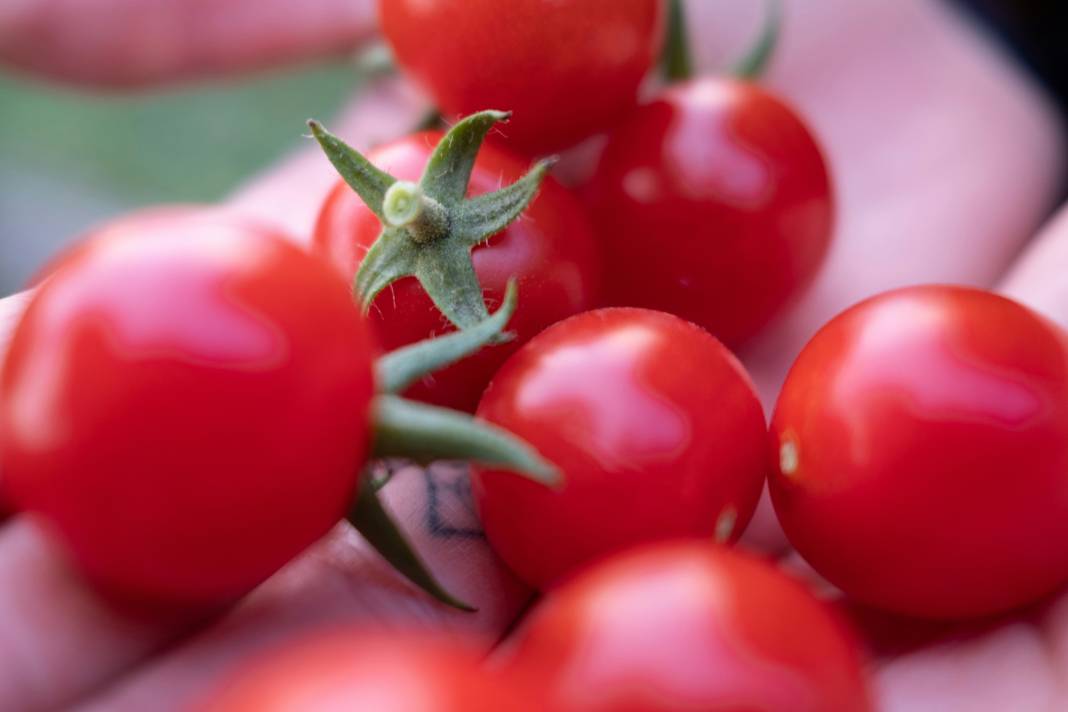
(372, 672)
(688, 626)
(566, 68)
(551, 251)
(923, 439)
(713, 202)
(186, 407)
(654, 424)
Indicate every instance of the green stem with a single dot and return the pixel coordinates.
(425, 433)
(401, 368)
(380, 530)
(375, 61)
(676, 62)
(406, 206)
(431, 120)
(755, 62)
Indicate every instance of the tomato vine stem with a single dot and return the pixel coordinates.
(677, 59)
(423, 434)
(755, 62)
(401, 368)
(373, 521)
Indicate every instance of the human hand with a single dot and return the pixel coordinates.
(946, 160)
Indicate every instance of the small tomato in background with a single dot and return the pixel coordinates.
(186, 406)
(688, 626)
(376, 672)
(654, 424)
(550, 250)
(567, 69)
(923, 440)
(712, 202)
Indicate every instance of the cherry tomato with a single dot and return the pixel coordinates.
(567, 68)
(551, 251)
(655, 425)
(689, 626)
(714, 203)
(186, 407)
(923, 438)
(350, 670)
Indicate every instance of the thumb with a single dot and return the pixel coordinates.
(125, 43)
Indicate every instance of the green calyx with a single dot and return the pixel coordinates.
(429, 228)
(423, 434)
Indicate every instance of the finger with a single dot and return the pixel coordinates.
(43, 611)
(1037, 279)
(341, 582)
(10, 312)
(1014, 661)
(1007, 666)
(134, 42)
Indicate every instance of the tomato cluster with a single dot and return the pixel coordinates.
(189, 402)
(551, 253)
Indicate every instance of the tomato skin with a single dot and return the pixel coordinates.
(186, 408)
(689, 626)
(654, 424)
(567, 69)
(353, 670)
(929, 436)
(550, 250)
(714, 203)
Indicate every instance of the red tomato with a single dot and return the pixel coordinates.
(567, 68)
(924, 444)
(364, 672)
(187, 408)
(550, 250)
(713, 203)
(689, 626)
(654, 424)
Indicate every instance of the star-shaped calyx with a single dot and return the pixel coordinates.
(429, 228)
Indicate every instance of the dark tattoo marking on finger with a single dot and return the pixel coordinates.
(450, 510)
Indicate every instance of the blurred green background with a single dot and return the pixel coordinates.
(70, 159)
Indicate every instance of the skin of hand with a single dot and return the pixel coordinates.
(946, 158)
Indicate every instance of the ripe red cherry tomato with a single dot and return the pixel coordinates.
(350, 670)
(186, 407)
(567, 68)
(714, 203)
(654, 424)
(924, 444)
(551, 251)
(689, 626)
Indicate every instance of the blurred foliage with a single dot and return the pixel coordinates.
(193, 143)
